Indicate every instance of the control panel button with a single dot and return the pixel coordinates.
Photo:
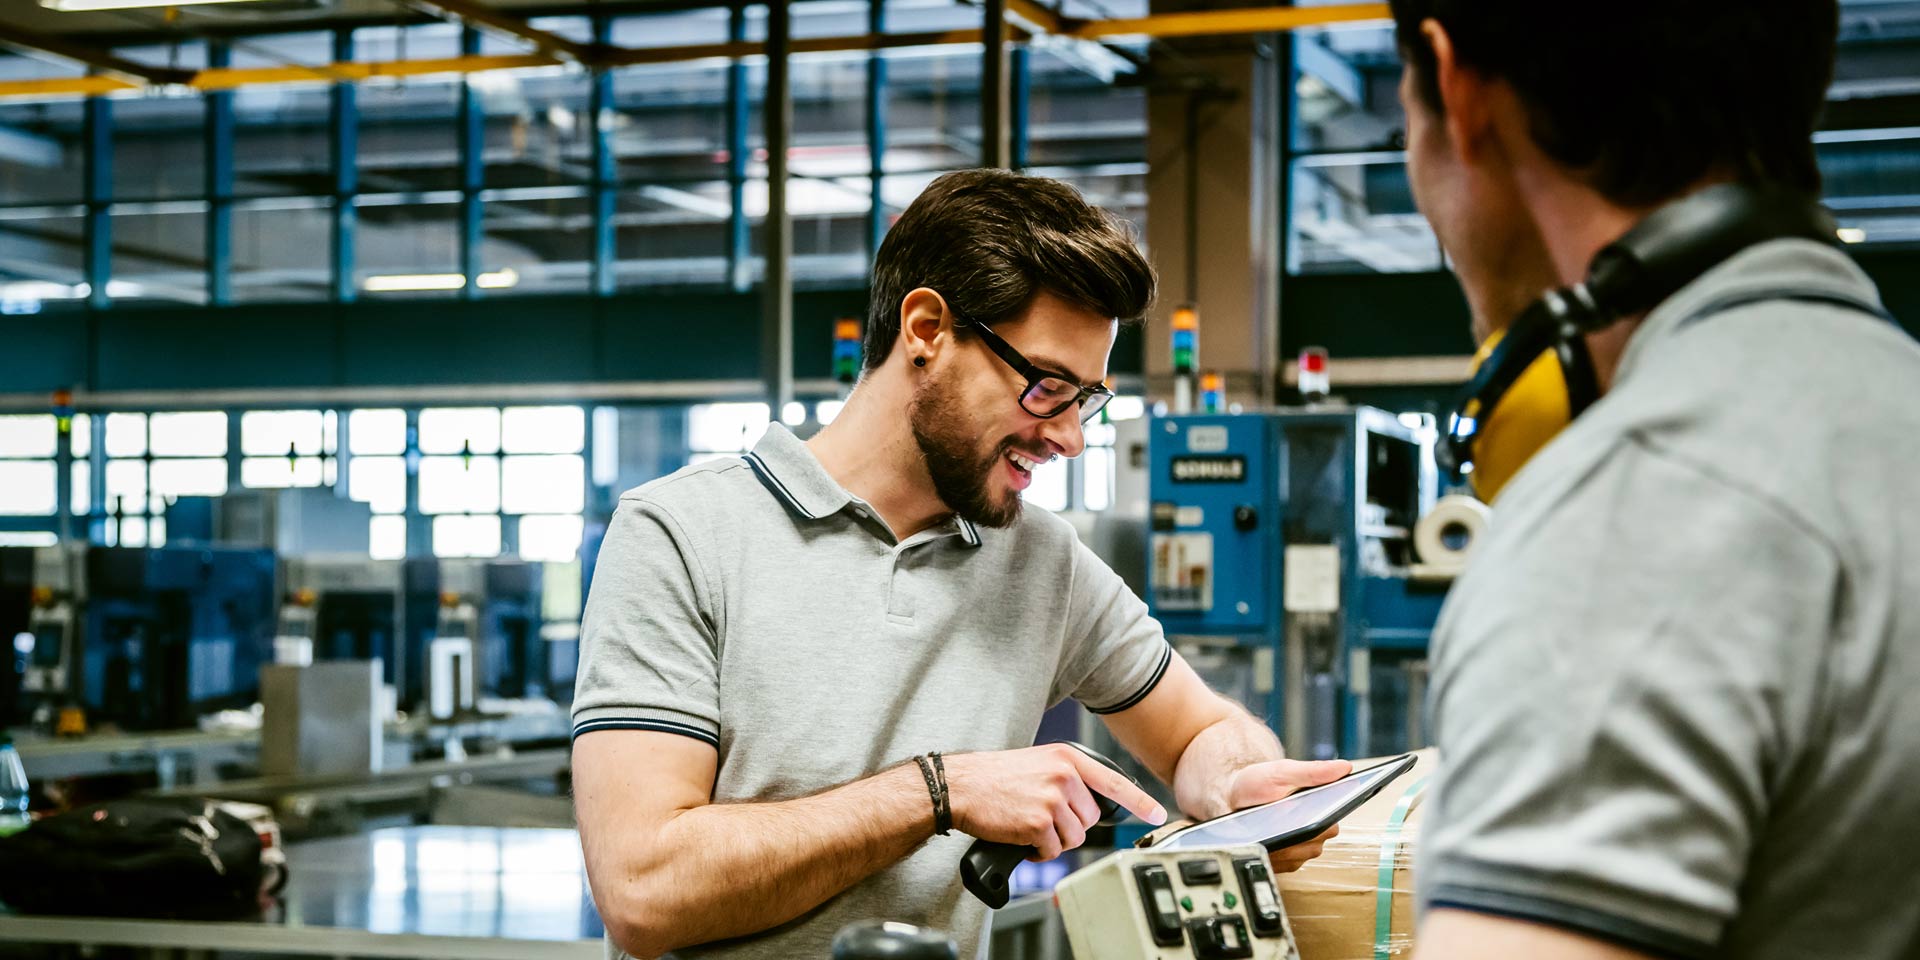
(1200, 873)
(1156, 896)
(1220, 938)
(1263, 903)
(1245, 518)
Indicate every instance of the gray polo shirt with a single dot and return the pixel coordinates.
(755, 605)
(1678, 690)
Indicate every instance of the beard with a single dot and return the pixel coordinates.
(962, 475)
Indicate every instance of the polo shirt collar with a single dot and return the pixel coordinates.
(793, 474)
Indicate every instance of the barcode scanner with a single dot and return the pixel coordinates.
(988, 866)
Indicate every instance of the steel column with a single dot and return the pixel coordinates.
(219, 134)
(1019, 107)
(345, 144)
(876, 132)
(97, 122)
(993, 84)
(776, 111)
(739, 251)
(473, 149)
(605, 169)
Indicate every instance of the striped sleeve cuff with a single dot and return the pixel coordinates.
(621, 720)
(1153, 680)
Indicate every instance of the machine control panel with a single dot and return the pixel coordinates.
(1188, 904)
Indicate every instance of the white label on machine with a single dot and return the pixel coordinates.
(1183, 571)
(1163, 900)
(1189, 516)
(1209, 439)
(1313, 579)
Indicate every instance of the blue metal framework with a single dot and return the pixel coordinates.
(605, 170)
(739, 246)
(344, 138)
(876, 132)
(473, 148)
(219, 134)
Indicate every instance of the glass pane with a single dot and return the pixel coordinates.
(377, 431)
(726, 427)
(379, 482)
(1097, 474)
(189, 478)
(1125, 408)
(274, 432)
(1075, 117)
(536, 126)
(536, 241)
(543, 429)
(160, 147)
(460, 430)
(27, 488)
(672, 234)
(280, 472)
(29, 435)
(409, 134)
(550, 539)
(1354, 213)
(1347, 92)
(933, 110)
(126, 486)
(130, 532)
(44, 249)
(407, 248)
(82, 434)
(460, 536)
(160, 252)
(1872, 184)
(1098, 433)
(126, 434)
(189, 434)
(459, 485)
(281, 144)
(829, 228)
(1049, 488)
(82, 498)
(670, 121)
(387, 538)
(46, 151)
(826, 410)
(278, 250)
(543, 484)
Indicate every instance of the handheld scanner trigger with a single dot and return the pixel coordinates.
(987, 868)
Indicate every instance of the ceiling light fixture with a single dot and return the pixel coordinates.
(419, 282)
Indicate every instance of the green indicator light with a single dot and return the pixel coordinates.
(1230, 900)
(1186, 903)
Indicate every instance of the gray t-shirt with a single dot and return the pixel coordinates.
(1678, 690)
(755, 605)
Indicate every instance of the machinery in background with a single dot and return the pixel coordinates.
(353, 608)
(39, 587)
(1281, 563)
(171, 633)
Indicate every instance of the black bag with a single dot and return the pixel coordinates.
(171, 858)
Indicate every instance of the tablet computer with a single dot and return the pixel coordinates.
(1299, 816)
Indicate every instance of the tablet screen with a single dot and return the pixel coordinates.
(1288, 815)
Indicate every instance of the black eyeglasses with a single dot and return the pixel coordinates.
(1048, 394)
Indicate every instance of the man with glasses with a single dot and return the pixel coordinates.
(801, 668)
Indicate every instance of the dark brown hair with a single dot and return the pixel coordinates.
(989, 240)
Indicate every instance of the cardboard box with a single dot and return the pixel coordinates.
(1335, 902)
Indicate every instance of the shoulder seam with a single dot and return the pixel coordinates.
(668, 517)
(676, 477)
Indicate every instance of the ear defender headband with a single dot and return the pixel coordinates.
(1531, 379)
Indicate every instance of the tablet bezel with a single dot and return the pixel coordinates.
(1405, 761)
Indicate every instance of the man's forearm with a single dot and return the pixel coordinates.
(1206, 766)
(727, 870)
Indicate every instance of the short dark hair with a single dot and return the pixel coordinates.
(1642, 98)
(989, 240)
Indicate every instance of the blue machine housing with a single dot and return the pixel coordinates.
(1280, 547)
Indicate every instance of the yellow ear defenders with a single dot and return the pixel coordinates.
(1531, 379)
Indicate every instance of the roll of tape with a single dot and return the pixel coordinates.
(1446, 536)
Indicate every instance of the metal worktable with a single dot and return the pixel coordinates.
(472, 893)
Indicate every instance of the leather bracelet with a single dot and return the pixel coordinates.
(933, 792)
(943, 803)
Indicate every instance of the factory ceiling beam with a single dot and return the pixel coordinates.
(100, 60)
(1203, 23)
(479, 15)
(227, 78)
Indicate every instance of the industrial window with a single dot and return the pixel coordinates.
(154, 459)
(716, 430)
(288, 448)
(28, 481)
(483, 468)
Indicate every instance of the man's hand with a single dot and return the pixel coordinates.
(1040, 796)
(1272, 780)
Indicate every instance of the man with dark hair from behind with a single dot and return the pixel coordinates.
(1675, 688)
(771, 638)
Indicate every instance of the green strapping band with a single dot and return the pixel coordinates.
(1389, 855)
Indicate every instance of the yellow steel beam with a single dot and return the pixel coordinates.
(227, 78)
(64, 87)
(1042, 18)
(732, 51)
(1219, 22)
(480, 15)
